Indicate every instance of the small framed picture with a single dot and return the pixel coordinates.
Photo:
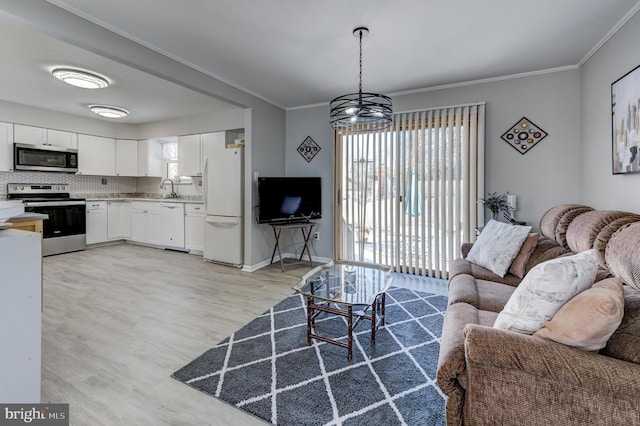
(625, 123)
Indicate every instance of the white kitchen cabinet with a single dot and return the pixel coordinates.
(29, 134)
(118, 220)
(62, 138)
(96, 155)
(194, 227)
(190, 158)
(172, 224)
(146, 223)
(6, 147)
(126, 157)
(20, 316)
(33, 135)
(150, 158)
(97, 223)
(189, 152)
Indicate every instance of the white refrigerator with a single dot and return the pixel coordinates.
(222, 187)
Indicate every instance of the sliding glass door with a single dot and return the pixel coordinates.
(407, 196)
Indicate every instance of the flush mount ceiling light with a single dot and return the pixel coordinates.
(79, 78)
(362, 111)
(109, 111)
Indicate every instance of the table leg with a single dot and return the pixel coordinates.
(384, 301)
(309, 319)
(306, 237)
(350, 327)
(374, 308)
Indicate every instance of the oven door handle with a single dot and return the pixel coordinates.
(55, 204)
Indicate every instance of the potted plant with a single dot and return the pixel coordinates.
(362, 233)
(496, 203)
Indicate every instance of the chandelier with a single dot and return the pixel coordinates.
(361, 112)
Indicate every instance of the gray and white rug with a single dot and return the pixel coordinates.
(266, 369)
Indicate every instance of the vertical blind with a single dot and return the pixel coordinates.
(407, 196)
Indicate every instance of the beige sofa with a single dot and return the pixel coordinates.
(499, 377)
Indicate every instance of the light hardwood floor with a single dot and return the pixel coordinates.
(118, 320)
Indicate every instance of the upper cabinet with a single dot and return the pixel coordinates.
(189, 152)
(126, 157)
(190, 159)
(96, 155)
(32, 135)
(149, 158)
(6, 147)
(60, 138)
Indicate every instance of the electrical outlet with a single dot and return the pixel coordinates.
(316, 236)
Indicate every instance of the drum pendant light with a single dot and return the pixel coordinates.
(361, 112)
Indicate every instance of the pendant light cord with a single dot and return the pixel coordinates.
(360, 85)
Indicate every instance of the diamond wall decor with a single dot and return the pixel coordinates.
(308, 149)
(523, 135)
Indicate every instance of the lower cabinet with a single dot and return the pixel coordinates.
(146, 226)
(194, 227)
(20, 311)
(96, 222)
(119, 220)
(149, 222)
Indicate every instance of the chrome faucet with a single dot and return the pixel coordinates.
(173, 193)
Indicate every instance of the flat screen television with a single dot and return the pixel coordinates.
(289, 199)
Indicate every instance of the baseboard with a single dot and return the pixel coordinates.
(276, 259)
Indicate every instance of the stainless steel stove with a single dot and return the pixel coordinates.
(66, 228)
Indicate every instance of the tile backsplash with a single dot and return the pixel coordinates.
(83, 186)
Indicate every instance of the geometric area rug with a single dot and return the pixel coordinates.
(266, 369)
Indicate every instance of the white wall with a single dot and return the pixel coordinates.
(203, 123)
(598, 187)
(543, 177)
(265, 156)
(314, 122)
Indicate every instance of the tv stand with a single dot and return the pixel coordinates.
(306, 227)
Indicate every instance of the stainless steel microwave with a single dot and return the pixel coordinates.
(45, 158)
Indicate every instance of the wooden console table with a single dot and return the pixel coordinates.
(307, 230)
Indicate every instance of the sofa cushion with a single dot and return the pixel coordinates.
(601, 241)
(551, 218)
(624, 344)
(565, 222)
(622, 254)
(584, 229)
(545, 289)
(546, 249)
(519, 264)
(497, 246)
(463, 266)
(588, 320)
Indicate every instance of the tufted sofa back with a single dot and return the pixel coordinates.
(579, 228)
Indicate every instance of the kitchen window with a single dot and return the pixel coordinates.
(170, 159)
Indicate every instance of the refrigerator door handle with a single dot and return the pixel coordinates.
(220, 220)
(204, 180)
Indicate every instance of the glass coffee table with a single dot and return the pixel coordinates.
(337, 287)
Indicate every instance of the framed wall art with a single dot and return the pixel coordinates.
(523, 135)
(625, 123)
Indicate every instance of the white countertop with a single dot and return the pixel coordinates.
(158, 200)
(29, 216)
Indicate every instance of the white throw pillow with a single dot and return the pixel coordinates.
(497, 246)
(545, 289)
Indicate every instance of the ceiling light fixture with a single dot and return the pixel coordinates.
(361, 112)
(109, 111)
(79, 78)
